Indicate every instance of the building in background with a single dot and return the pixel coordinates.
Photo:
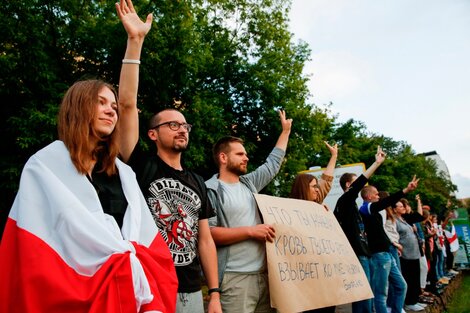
(441, 165)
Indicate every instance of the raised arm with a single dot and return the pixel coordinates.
(419, 207)
(129, 80)
(412, 185)
(284, 136)
(373, 207)
(330, 167)
(379, 159)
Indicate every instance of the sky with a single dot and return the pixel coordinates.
(402, 67)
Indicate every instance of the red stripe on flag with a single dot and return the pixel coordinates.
(453, 238)
(160, 271)
(36, 279)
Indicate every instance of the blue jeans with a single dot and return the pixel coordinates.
(440, 264)
(384, 272)
(394, 252)
(364, 306)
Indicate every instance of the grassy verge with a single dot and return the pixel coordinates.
(460, 302)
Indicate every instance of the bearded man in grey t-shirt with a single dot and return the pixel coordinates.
(237, 228)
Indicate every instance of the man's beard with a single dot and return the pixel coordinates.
(236, 168)
(180, 147)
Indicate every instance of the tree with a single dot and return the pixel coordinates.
(228, 65)
(46, 46)
(357, 145)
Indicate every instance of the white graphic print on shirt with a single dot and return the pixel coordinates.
(175, 208)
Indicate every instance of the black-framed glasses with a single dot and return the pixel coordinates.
(173, 125)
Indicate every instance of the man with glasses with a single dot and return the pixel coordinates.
(178, 201)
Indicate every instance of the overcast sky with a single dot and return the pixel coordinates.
(402, 67)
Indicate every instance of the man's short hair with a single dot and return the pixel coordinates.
(156, 118)
(223, 145)
(346, 178)
(366, 191)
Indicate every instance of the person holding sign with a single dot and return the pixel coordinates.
(308, 187)
(237, 228)
(347, 214)
(383, 265)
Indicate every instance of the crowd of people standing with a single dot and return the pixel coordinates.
(102, 226)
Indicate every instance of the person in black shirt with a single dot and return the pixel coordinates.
(348, 216)
(383, 265)
(176, 196)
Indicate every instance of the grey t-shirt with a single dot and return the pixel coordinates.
(408, 240)
(240, 209)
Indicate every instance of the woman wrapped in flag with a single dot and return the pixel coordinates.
(80, 237)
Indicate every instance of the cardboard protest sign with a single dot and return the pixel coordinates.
(336, 190)
(311, 263)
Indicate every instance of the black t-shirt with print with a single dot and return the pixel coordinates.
(177, 201)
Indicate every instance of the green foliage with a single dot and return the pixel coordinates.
(398, 169)
(45, 47)
(232, 64)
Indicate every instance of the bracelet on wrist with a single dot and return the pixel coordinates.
(130, 61)
(211, 290)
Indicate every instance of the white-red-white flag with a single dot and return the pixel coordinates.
(61, 253)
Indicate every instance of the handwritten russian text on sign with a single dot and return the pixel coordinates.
(310, 263)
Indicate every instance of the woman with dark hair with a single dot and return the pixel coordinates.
(410, 255)
(80, 237)
(308, 187)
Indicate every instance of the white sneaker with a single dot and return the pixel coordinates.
(403, 311)
(453, 272)
(389, 309)
(422, 304)
(414, 307)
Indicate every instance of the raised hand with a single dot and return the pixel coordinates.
(380, 155)
(333, 149)
(285, 123)
(412, 185)
(132, 23)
